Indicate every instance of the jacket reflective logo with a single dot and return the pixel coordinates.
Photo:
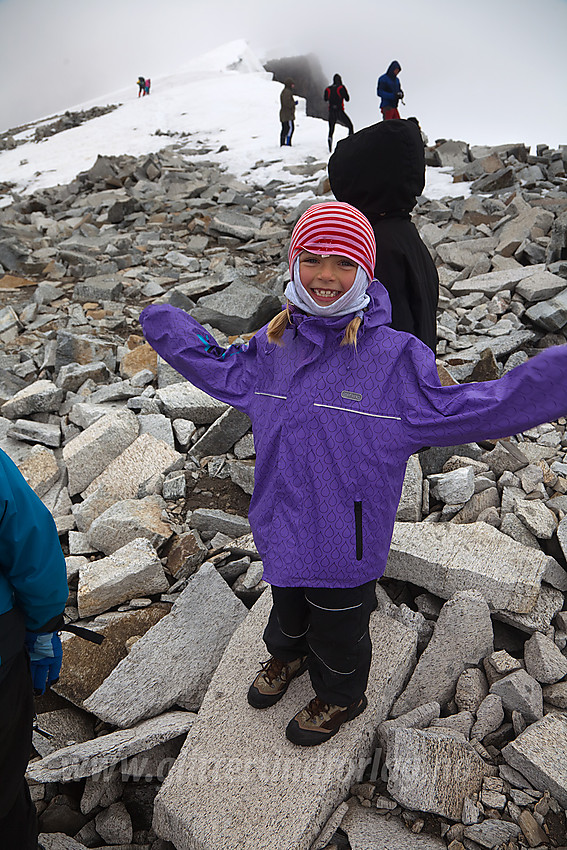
(353, 396)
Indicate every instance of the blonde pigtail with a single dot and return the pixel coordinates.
(278, 325)
(351, 331)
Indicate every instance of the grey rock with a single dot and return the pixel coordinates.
(159, 426)
(40, 469)
(492, 833)
(103, 789)
(59, 841)
(549, 603)
(520, 692)
(240, 308)
(242, 473)
(556, 695)
(539, 754)
(537, 518)
(444, 558)
(172, 664)
(493, 282)
(131, 571)
(35, 432)
(471, 689)
(114, 824)
(551, 314)
(431, 772)
(410, 505)
(222, 434)
(540, 287)
(462, 637)
(209, 521)
(89, 453)
(128, 520)
(419, 718)
(82, 349)
(184, 401)
(455, 487)
(369, 830)
(489, 716)
(40, 397)
(544, 661)
(91, 757)
(74, 375)
(143, 458)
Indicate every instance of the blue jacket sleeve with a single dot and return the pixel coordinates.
(528, 395)
(33, 576)
(227, 374)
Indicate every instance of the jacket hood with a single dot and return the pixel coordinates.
(381, 169)
(393, 66)
(289, 83)
(337, 81)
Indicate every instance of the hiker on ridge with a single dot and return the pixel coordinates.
(287, 112)
(141, 85)
(390, 91)
(33, 593)
(381, 171)
(335, 95)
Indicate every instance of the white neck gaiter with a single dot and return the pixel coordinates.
(353, 301)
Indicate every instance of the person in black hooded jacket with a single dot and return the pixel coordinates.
(335, 95)
(380, 170)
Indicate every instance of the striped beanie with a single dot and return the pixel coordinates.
(335, 228)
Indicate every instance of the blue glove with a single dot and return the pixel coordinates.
(46, 654)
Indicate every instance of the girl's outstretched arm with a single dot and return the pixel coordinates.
(227, 374)
(528, 395)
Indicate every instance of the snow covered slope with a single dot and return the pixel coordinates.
(223, 102)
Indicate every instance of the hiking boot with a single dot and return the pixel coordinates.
(319, 721)
(273, 680)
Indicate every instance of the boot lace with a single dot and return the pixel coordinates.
(316, 709)
(274, 669)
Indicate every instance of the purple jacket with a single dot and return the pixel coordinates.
(334, 427)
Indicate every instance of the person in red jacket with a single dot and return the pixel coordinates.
(335, 95)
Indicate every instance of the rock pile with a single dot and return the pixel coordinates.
(149, 480)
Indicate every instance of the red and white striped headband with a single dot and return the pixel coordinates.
(335, 228)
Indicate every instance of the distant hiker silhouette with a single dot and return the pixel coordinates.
(147, 85)
(287, 112)
(141, 86)
(335, 95)
(390, 91)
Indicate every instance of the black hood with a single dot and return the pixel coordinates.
(381, 169)
(337, 80)
(393, 66)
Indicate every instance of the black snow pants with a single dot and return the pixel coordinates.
(330, 626)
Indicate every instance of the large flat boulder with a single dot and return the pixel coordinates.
(237, 759)
(445, 558)
(173, 663)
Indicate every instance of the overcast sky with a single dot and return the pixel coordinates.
(486, 71)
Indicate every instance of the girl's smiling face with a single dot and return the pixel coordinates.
(326, 278)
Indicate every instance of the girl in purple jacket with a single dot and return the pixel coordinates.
(338, 402)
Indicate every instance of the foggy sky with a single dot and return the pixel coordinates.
(486, 71)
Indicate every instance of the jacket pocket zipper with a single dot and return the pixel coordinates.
(358, 529)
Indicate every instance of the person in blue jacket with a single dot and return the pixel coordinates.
(33, 593)
(390, 91)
